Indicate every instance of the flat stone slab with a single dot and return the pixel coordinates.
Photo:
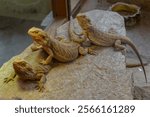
(89, 77)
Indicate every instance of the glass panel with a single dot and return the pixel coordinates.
(74, 3)
(25, 9)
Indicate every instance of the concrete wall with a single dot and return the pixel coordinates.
(25, 9)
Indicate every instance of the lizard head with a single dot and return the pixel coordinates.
(83, 21)
(23, 69)
(21, 66)
(38, 35)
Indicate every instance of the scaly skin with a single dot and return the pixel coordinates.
(105, 39)
(78, 38)
(29, 69)
(63, 52)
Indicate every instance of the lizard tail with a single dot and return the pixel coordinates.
(130, 43)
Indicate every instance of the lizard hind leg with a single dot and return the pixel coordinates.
(10, 78)
(119, 46)
(83, 51)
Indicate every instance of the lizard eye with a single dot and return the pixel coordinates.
(36, 31)
(84, 16)
(42, 36)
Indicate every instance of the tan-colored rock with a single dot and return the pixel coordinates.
(89, 77)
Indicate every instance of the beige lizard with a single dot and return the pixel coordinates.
(29, 69)
(105, 39)
(63, 52)
(78, 38)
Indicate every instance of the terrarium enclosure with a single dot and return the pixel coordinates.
(102, 76)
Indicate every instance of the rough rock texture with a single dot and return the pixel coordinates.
(103, 20)
(89, 77)
(141, 89)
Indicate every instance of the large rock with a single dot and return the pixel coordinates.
(89, 77)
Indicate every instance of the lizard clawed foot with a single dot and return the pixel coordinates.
(40, 87)
(92, 52)
(6, 80)
(35, 47)
(43, 62)
(124, 51)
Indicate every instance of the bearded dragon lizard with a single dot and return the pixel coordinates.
(63, 52)
(29, 69)
(78, 38)
(105, 39)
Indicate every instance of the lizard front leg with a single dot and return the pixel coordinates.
(40, 86)
(84, 51)
(35, 46)
(91, 50)
(75, 37)
(49, 58)
(78, 38)
(10, 78)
